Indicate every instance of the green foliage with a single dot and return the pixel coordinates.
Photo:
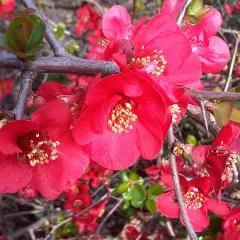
(195, 11)
(59, 31)
(72, 47)
(24, 35)
(191, 139)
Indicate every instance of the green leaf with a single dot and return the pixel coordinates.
(236, 89)
(124, 175)
(137, 204)
(14, 38)
(138, 193)
(191, 139)
(128, 194)
(194, 7)
(151, 205)
(235, 115)
(59, 31)
(37, 33)
(126, 204)
(134, 176)
(122, 187)
(222, 112)
(156, 189)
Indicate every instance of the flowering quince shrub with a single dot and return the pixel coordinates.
(100, 146)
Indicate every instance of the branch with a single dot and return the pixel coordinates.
(182, 14)
(58, 49)
(211, 95)
(26, 79)
(120, 201)
(196, 113)
(177, 187)
(68, 64)
(232, 63)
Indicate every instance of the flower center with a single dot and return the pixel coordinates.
(227, 175)
(193, 198)
(121, 117)
(37, 148)
(153, 64)
(77, 203)
(175, 110)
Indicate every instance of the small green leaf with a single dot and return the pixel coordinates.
(137, 204)
(235, 115)
(222, 112)
(236, 89)
(37, 33)
(126, 204)
(133, 176)
(194, 7)
(13, 37)
(124, 175)
(191, 139)
(156, 189)
(122, 187)
(138, 193)
(59, 31)
(151, 205)
(128, 194)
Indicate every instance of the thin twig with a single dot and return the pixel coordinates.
(67, 64)
(56, 46)
(196, 113)
(232, 64)
(26, 79)
(211, 95)
(182, 14)
(177, 187)
(170, 229)
(231, 31)
(120, 201)
(204, 116)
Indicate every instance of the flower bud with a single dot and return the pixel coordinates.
(28, 193)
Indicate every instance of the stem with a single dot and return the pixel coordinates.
(182, 14)
(232, 64)
(26, 79)
(211, 95)
(177, 188)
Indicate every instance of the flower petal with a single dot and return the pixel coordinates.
(15, 175)
(10, 132)
(167, 206)
(218, 207)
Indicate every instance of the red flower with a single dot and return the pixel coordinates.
(78, 202)
(231, 225)
(227, 134)
(125, 116)
(40, 153)
(238, 71)
(197, 202)
(50, 90)
(6, 84)
(172, 7)
(87, 19)
(6, 6)
(28, 193)
(149, 48)
(213, 52)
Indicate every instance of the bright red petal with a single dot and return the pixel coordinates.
(10, 132)
(167, 206)
(172, 7)
(15, 175)
(218, 207)
(73, 157)
(199, 219)
(49, 179)
(116, 23)
(115, 150)
(58, 119)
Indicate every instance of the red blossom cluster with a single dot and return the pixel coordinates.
(229, 9)
(79, 199)
(96, 125)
